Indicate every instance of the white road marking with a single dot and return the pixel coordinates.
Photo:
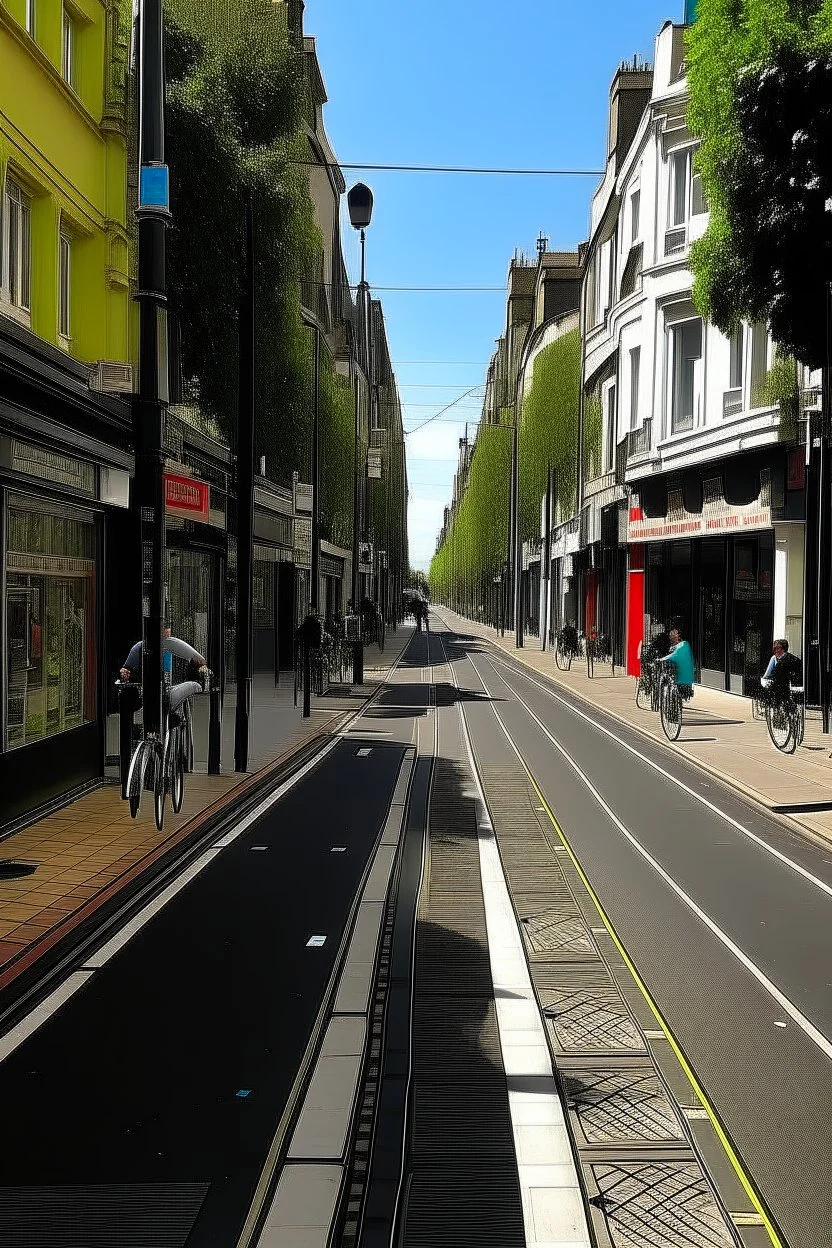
(315, 942)
(758, 840)
(550, 1189)
(782, 1000)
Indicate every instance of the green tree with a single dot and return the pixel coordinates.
(760, 74)
(548, 432)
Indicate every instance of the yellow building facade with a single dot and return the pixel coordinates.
(64, 266)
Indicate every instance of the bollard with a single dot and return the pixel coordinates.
(214, 729)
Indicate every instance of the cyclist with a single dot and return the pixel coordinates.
(132, 669)
(783, 671)
(681, 656)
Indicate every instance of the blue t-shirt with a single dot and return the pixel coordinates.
(682, 657)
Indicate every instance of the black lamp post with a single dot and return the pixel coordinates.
(360, 204)
(151, 400)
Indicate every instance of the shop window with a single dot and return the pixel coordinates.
(685, 396)
(17, 245)
(50, 621)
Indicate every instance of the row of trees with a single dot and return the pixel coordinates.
(237, 100)
(475, 548)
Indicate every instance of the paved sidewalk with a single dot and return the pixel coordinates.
(90, 849)
(718, 732)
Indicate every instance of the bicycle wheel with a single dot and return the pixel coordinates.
(187, 736)
(561, 659)
(175, 766)
(644, 694)
(670, 709)
(799, 724)
(160, 788)
(136, 776)
(779, 724)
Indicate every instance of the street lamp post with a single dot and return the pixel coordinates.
(360, 204)
(151, 401)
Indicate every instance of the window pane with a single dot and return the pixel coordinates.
(68, 48)
(698, 204)
(737, 342)
(63, 307)
(13, 243)
(635, 365)
(25, 256)
(30, 16)
(687, 349)
(635, 209)
(679, 186)
(50, 620)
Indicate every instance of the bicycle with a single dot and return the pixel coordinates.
(567, 648)
(670, 704)
(786, 719)
(647, 686)
(159, 763)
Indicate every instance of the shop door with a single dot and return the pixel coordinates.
(712, 614)
(753, 611)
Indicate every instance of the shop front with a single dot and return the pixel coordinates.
(703, 559)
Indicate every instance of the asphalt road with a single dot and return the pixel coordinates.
(732, 941)
(150, 1099)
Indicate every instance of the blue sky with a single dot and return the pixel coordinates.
(466, 82)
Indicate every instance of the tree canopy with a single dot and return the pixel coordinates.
(236, 102)
(760, 75)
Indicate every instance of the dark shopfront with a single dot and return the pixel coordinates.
(716, 575)
(64, 486)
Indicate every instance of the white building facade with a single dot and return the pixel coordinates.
(702, 470)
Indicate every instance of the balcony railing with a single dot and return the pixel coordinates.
(731, 402)
(810, 400)
(639, 441)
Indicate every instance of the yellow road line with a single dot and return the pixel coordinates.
(735, 1161)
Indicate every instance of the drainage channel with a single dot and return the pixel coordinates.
(639, 1138)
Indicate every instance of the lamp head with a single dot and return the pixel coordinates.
(360, 204)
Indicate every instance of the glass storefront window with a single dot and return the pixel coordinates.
(50, 620)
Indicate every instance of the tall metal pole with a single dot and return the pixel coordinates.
(245, 498)
(152, 393)
(824, 526)
(315, 589)
(515, 509)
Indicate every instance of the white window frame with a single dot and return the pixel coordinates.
(680, 215)
(736, 357)
(30, 17)
(16, 234)
(635, 214)
(609, 423)
(68, 48)
(64, 286)
(674, 424)
(635, 381)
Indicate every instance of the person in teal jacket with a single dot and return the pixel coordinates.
(681, 656)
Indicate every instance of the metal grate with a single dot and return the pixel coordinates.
(659, 1206)
(585, 1020)
(136, 1215)
(616, 1105)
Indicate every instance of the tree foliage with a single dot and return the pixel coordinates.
(548, 433)
(236, 99)
(476, 546)
(760, 74)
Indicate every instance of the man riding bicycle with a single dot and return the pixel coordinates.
(132, 669)
(784, 670)
(681, 656)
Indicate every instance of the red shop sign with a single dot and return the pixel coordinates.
(185, 496)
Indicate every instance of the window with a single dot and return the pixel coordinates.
(635, 209)
(759, 362)
(685, 398)
(50, 620)
(635, 368)
(698, 203)
(68, 58)
(679, 165)
(30, 17)
(64, 268)
(737, 344)
(610, 424)
(16, 268)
